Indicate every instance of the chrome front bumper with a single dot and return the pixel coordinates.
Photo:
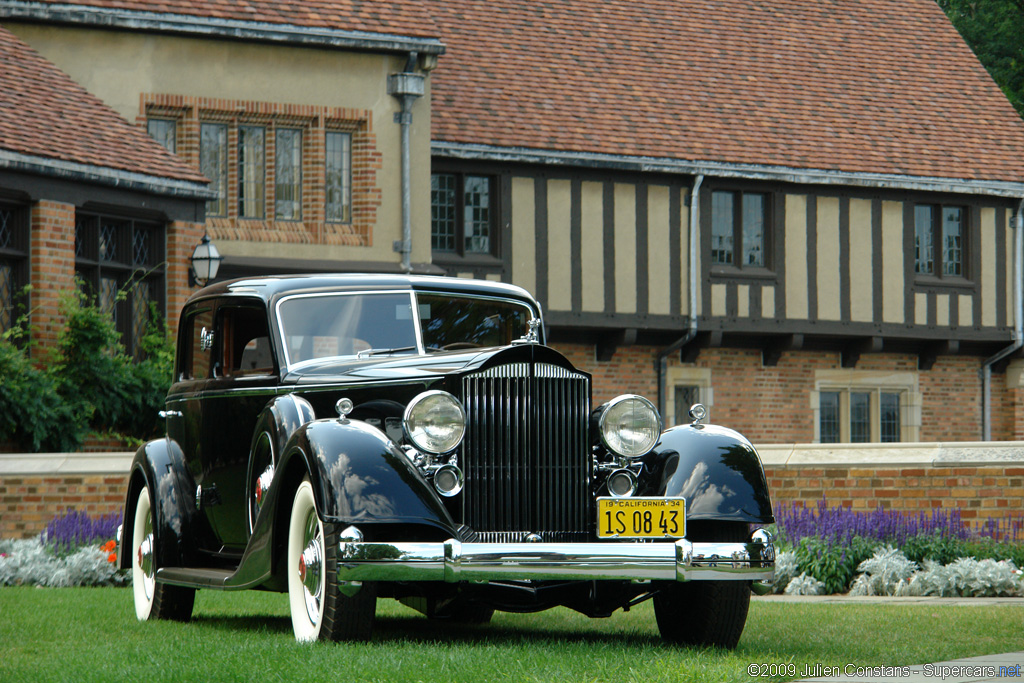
(453, 561)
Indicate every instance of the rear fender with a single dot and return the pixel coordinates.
(158, 465)
(715, 469)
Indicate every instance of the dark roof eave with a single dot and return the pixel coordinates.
(111, 177)
(803, 176)
(183, 24)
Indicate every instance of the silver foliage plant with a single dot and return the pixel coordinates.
(785, 570)
(805, 585)
(30, 563)
(889, 572)
(968, 577)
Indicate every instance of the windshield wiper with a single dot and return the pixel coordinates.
(366, 353)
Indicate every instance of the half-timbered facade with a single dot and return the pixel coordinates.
(802, 215)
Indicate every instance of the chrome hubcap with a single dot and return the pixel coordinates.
(311, 568)
(145, 560)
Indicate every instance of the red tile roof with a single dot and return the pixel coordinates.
(407, 18)
(43, 113)
(875, 86)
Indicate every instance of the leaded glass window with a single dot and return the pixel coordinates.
(739, 229)
(477, 215)
(339, 177)
(860, 417)
(6, 296)
(165, 132)
(462, 212)
(252, 172)
(721, 227)
(213, 163)
(889, 418)
(121, 263)
(939, 246)
(288, 174)
(829, 417)
(685, 396)
(442, 211)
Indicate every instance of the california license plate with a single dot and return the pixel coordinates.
(641, 517)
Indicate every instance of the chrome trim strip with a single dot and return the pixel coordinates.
(453, 561)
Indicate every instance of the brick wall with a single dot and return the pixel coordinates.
(773, 405)
(35, 487)
(52, 261)
(982, 480)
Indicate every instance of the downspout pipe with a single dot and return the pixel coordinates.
(1018, 325)
(407, 86)
(661, 364)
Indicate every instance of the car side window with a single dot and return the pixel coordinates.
(196, 350)
(245, 341)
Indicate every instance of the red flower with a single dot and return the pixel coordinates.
(109, 547)
(112, 558)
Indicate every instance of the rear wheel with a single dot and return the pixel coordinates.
(153, 600)
(320, 611)
(705, 613)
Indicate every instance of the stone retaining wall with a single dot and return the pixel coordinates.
(982, 480)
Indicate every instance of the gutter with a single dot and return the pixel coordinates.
(101, 175)
(661, 363)
(190, 25)
(1018, 325)
(803, 176)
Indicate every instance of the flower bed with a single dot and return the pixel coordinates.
(835, 550)
(75, 550)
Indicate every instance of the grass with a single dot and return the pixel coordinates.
(90, 634)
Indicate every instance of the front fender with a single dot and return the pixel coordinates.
(360, 477)
(155, 465)
(715, 469)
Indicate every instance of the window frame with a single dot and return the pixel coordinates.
(936, 230)
(122, 267)
(345, 177)
(460, 254)
(739, 192)
(14, 254)
(296, 185)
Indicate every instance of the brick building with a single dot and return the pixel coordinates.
(799, 214)
(83, 192)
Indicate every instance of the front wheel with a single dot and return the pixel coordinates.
(705, 613)
(319, 609)
(153, 600)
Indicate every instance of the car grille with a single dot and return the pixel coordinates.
(525, 454)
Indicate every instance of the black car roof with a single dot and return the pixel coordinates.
(271, 287)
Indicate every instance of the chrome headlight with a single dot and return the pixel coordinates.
(630, 425)
(435, 422)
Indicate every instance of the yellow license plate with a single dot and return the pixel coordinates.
(641, 517)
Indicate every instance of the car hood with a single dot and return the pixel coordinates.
(404, 367)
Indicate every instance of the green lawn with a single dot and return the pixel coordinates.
(86, 634)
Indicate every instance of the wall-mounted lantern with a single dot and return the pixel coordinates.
(205, 262)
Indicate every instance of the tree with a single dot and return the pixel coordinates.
(994, 29)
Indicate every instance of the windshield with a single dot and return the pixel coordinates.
(370, 324)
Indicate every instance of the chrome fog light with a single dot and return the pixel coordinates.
(435, 422)
(630, 425)
(448, 480)
(621, 483)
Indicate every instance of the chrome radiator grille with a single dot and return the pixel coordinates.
(525, 455)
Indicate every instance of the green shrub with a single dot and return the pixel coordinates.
(89, 383)
(33, 414)
(833, 565)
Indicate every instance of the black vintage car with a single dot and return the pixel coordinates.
(347, 437)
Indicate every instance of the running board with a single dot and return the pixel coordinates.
(201, 577)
